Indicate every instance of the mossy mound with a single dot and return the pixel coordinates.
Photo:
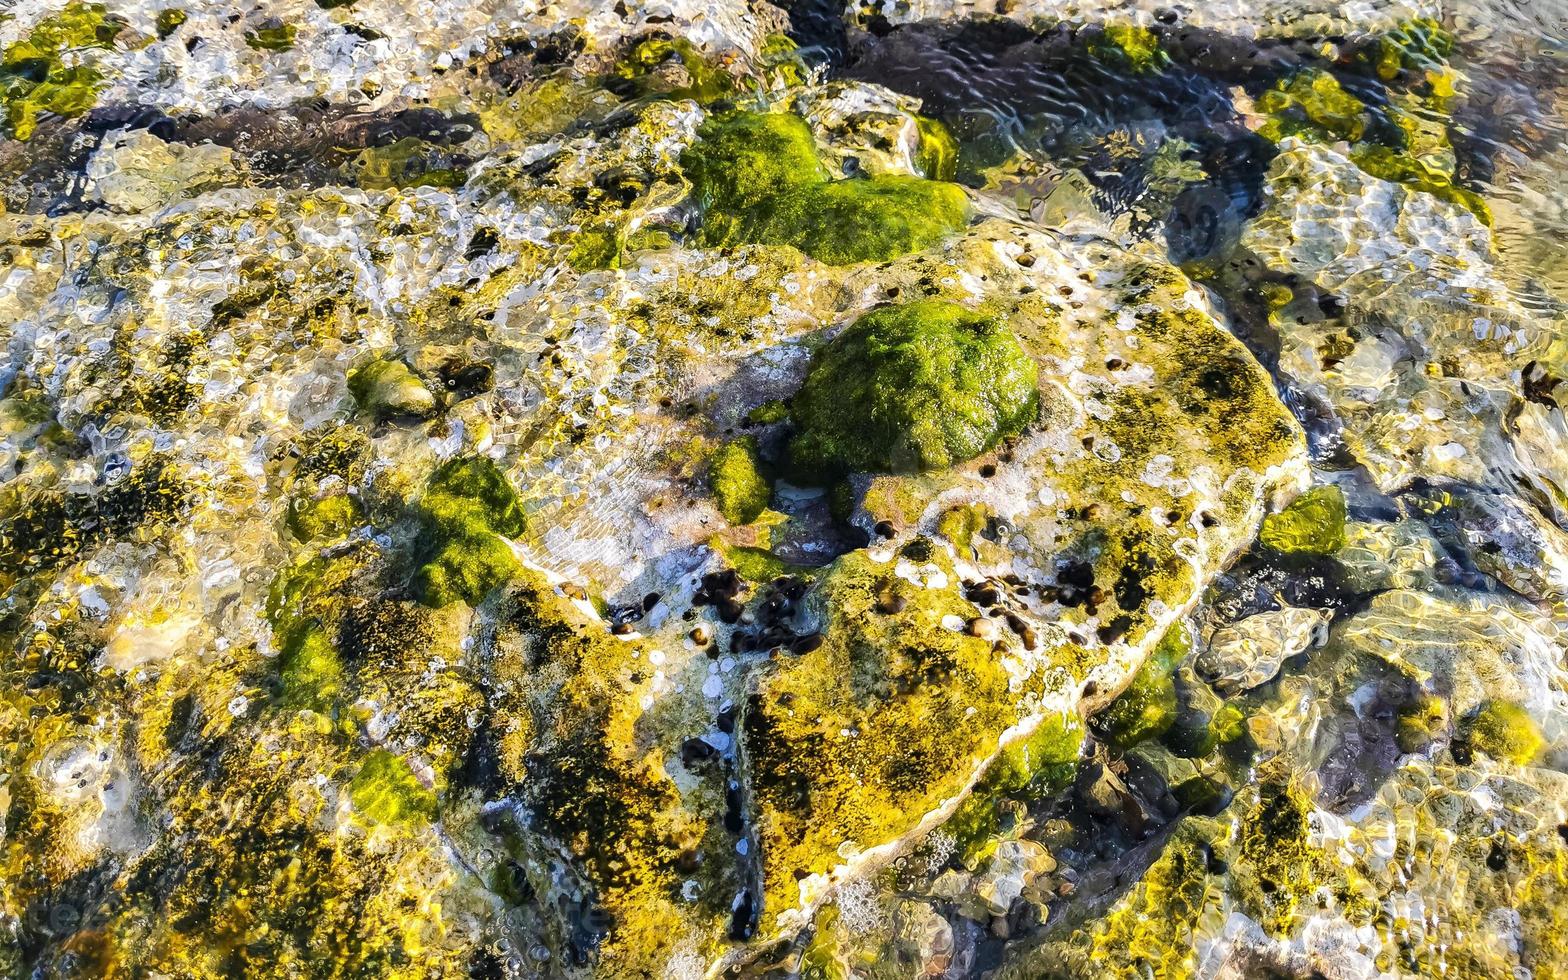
(468, 510)
(1313, 524)
(758, 179)
(739, 488)
(915, 387)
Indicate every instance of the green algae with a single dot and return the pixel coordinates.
(758, 179)
(1505, 731)
(329, 517)
(856, 739)
(1130, 48)
(1148, 707)
(1386, 163)
(42, 73)
(1313, 524)
(1418, 45)
(1150, 932)
(272, 37)
(386, 790)
(169, 20)
(768, 413)
(43, 530)
(386, 388)
(608, 806)
(739, 486)
(937, 155)
(705, 80)
(1313, 106)
(1421, 723)
(468, 510)
(595, 247)
(1387, 143)
(1278, 869)
(914, 387)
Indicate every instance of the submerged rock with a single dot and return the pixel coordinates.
(1243, 655)
(915, 387)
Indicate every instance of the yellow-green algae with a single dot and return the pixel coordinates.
(272, 37)
(386, 790)
(385, 387)
(705, 80)
(1505, 731)
(855, 740)
(757, 178)
(739, 486)
(469, 509)
(1147, 708)
(44, 72)
(914, 387)
(577, 758)
(1313, 524)
(328, 517)
(1129, 47)
(1421, 722)
(1390, 143)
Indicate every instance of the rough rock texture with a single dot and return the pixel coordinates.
(490, 492)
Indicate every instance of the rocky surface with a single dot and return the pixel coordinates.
(519, 491)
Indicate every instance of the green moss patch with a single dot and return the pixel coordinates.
(468, 510)
(739, 487)
(915, 387)
(758, 179)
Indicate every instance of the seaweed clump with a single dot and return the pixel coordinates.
(469, 509)
(915, 387)
(739, 487)
(1505, 731)
(758, 179)
(1313, 524)
(42, 74)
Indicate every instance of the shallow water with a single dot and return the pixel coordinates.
(674, 489)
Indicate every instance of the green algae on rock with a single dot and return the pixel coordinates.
(757, 178)
(853, 742)
(1505, 731)
(1313, 524)
(469, 509)
(386, 388)
(44, 74)
(1148, 707)
(735, 476)
(914, 387)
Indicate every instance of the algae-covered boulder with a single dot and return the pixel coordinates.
(914, 387)
(757, 178)
(468, 510)
(386, 388)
